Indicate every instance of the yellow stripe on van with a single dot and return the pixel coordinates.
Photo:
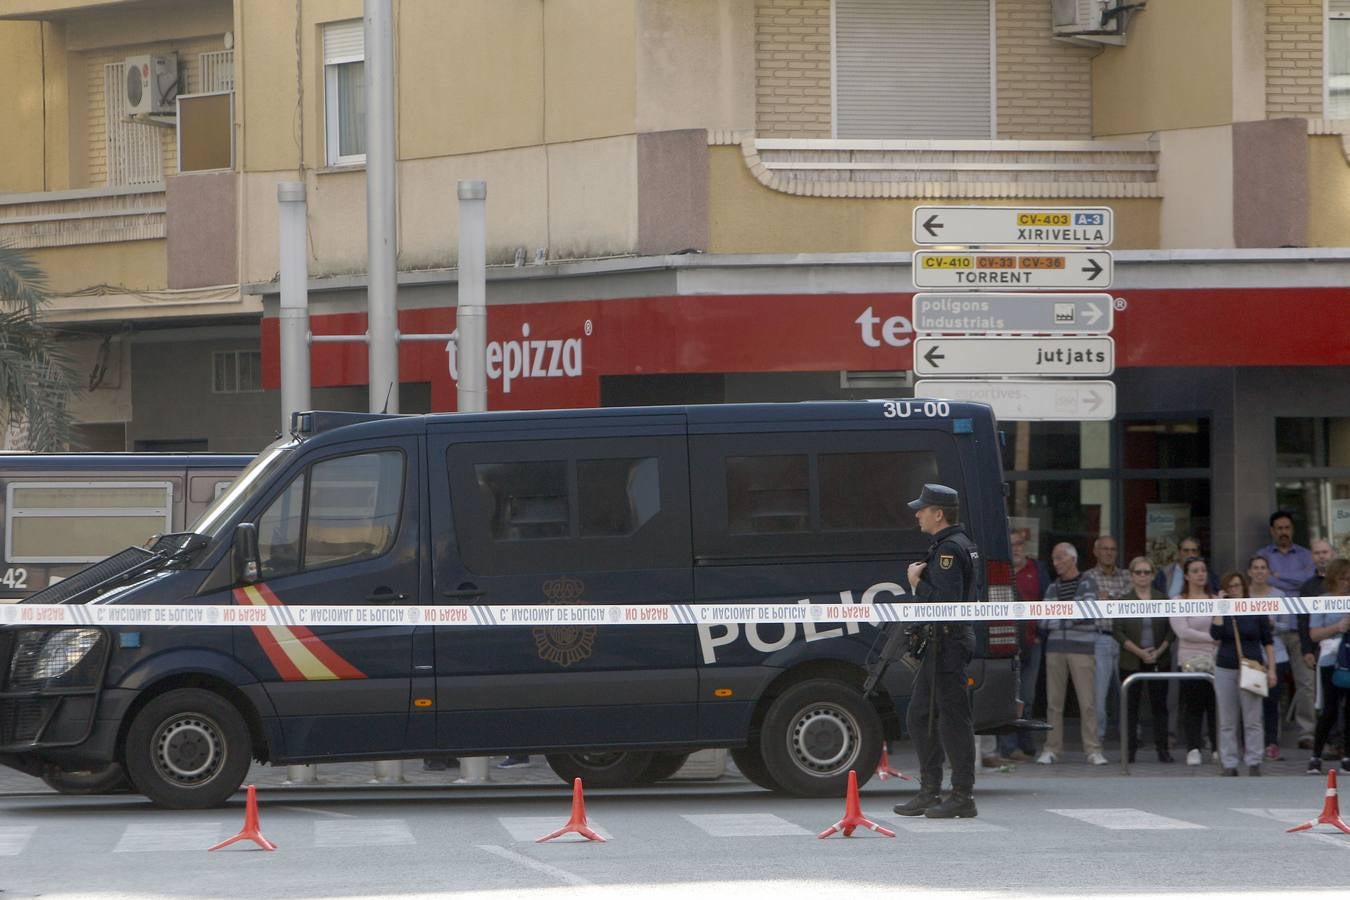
(300, 656)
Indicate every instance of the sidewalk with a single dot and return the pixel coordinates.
(538, 773)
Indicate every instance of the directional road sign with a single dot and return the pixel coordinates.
(1047, 269)
(1043, 225)
(1003, 313)
(957, 356)
(1031, 401)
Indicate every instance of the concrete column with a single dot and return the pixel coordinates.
(471, 310)
(381, 208)
(294, 313)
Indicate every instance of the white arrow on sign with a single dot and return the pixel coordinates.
(1013, 312)
(1031, 401)
(1051, 356)
(1026, 225)
(1021, 270)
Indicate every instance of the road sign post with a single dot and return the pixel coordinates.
(1090, 226)
(1019, 270)
(1040, 356)
(1060, 400)
(1029, 313)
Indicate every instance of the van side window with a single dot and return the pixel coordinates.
(339, 511)
(767, 493)
(354, 504)
(279, 532)
(575, 505)
(868, 491)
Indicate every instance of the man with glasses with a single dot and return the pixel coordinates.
(1146, 646)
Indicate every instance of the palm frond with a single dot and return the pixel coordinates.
(22, 280)
(37, 376)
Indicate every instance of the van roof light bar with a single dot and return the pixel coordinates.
(312, 422)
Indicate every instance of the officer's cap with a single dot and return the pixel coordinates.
(935, 495)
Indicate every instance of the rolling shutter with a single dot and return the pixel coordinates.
(913, 69)
(344, 42)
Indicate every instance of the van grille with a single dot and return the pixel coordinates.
(21, 718)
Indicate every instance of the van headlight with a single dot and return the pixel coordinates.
(44, 655)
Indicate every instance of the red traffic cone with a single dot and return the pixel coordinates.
(1331, 810)
(853, 816)
(576, 824)
(884, 769)
(251, 831)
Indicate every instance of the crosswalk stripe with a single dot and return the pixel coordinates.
(1125, 819)
(743, 825)
(1288, 816)
(168, 836)
(362, 833)
(922, 825)
(14, 838)
(531, 828)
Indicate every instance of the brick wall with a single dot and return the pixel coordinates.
(1293, 58)
(792, 68)
(1044, 86)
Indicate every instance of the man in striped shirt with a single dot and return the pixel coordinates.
(1070, 648)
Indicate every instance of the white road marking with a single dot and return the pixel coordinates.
(169, 836)
(14, 838)
(313, 811)
(1126, 819)
(920, 825)
(362, 833)
(532, 828)
(521, 859)
(744, 825)
(1288, 816)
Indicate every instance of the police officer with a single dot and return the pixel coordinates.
(939, 717)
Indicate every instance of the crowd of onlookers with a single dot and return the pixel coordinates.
(1295, 656)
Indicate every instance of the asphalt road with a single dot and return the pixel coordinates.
(1142, 837)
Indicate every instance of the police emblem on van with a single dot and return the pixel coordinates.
(567, 644)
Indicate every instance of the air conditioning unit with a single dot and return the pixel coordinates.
(1070, 17)
(150, 83)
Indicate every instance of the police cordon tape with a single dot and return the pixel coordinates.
(650, 614)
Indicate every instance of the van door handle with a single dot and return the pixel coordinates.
(384, 595)
(463, 593)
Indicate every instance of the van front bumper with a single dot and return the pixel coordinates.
(62, 728)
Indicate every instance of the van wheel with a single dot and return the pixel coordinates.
(814, 733)
(188, 749)
(751, 764)
(109, 779)
(663, 765)
(622, 768)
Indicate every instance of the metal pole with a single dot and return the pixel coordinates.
(381, 207)
(294, 314)
(471, 311)
(1126, 733)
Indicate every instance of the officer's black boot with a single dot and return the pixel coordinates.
(956, 805)
(919, 803)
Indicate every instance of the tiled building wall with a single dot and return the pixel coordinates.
(792, 68)
(1044, 86)
(1294, 58)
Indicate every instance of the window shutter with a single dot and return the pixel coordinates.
(913, 69)
(344, 42)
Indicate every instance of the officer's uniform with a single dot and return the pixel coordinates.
(939, 717)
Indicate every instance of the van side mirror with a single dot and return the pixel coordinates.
(244, 554)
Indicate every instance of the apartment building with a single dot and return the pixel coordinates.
(709, 201)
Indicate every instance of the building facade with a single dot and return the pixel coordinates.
(711, 200)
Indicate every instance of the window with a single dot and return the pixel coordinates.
(344, 83)
(767, 493)
(570, 505)
(236, 371)
(82, 521)
(1312, 478)
(1338, 60)
(340, 511)
(868, 491)
(916, 69)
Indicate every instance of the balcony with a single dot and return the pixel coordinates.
(104, 215)
(972, 169)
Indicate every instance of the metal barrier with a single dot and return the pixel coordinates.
(1127, 733)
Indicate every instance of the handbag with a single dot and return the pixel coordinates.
(1251, 674)
(1340, 676)
(1198, 664)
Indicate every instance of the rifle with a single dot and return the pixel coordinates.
(904, 644)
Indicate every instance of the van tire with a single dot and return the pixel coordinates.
(623, 768)
(814, 733)
(188, 749)
(663, 766)
(109, 779)
(751, 764)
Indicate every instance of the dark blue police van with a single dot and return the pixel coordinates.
(772, 503)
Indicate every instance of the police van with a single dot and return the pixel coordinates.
(62, 511)
(758, 503)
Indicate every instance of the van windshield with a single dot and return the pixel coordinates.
(256, 476)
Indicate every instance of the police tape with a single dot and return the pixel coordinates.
(282, 616)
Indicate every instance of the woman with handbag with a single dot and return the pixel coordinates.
(1195, 653)
(1329, 630)
(1244, 672)
(1258, 573)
